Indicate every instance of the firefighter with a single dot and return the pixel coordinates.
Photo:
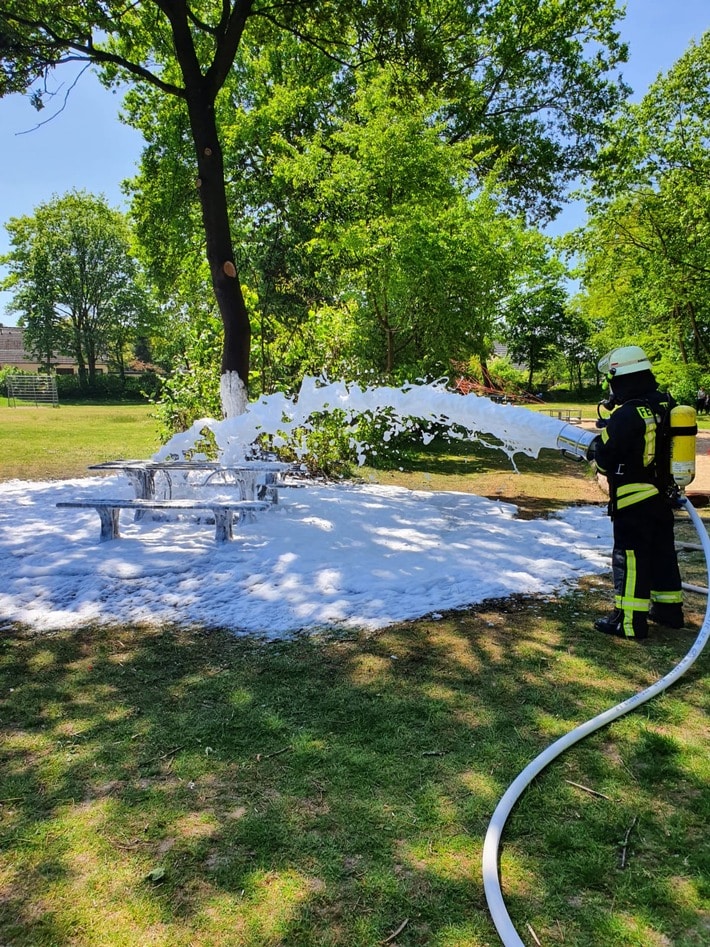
(632, 453)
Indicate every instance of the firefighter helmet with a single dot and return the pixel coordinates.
(624, 361)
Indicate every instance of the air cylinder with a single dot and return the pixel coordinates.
(684, 428)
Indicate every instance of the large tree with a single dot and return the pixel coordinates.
(526, 79)
(76, 284)
(645, 252)
(536, 325)
(419, 259)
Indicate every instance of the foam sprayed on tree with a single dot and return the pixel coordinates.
(286, 420)
(233, 395)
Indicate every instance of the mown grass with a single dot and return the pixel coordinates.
(174, 787)
(536, 485)
(47, 443)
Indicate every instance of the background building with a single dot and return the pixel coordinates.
(13, 355)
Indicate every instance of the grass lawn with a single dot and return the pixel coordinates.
(536, 485)
(162, 786)
(47, 443)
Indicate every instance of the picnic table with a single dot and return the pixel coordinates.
(564, 414)
(223, 513)
(256, 482)
(252, 477)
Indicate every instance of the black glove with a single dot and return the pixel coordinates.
(592, 449)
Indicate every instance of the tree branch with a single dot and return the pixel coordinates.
(232, 28)
(51, 41)
(64, 103)
(320, 43)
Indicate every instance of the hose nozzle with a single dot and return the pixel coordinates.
(574, 441)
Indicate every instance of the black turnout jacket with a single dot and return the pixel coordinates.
(628, 451)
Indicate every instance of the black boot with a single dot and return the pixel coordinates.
(668, 614)
(613, 624)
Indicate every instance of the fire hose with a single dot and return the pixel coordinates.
(576, 443)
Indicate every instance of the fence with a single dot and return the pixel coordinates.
(35, 389)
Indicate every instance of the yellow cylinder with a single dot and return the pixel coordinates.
(684, 428)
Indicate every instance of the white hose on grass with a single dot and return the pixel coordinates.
(491, 881)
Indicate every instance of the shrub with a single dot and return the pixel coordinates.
(323, 446)
(185, 397)
(4, 372)
(334, 445)
(109, 388)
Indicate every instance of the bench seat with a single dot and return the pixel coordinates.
(223, 511)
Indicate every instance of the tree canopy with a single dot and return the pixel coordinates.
(528, 84)
(76, 283)
(646, 248)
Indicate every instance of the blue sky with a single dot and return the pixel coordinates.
(86, 146)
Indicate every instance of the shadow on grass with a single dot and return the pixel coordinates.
(536, 486)
(193, 788)
(466, 457)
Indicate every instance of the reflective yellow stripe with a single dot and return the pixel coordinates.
(635, 488)
(672, 598)
(629, 590)
(635, 604)
(649, 440)
(634, 493)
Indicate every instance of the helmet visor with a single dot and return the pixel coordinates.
(604, 364)
(624, 361)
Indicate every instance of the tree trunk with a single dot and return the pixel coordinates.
(389, 337)
(89, 334)
(531, 367)
(701, 348)
(677, 323)
(486, 375)
(77, 334)
(220, 254)
(200, 93)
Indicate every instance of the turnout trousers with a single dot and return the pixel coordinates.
(644, 562)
